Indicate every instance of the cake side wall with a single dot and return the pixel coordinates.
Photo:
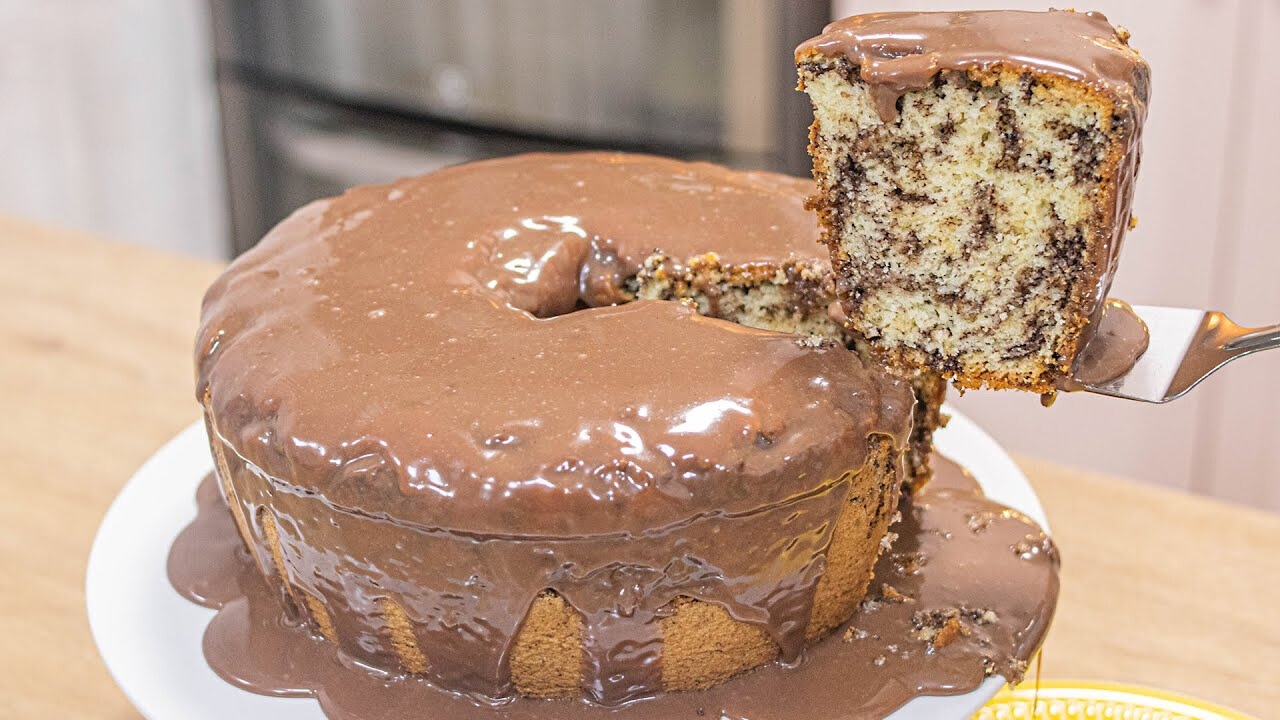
(383, 594)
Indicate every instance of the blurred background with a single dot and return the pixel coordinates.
(193, 125)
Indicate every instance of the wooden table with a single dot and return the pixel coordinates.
(1159, 588)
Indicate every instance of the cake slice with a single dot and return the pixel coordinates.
(791, 295)
(974, 174)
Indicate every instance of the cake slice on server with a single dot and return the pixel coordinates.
(975, 171)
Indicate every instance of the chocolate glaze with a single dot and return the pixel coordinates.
(902, 51)
(957, 555)
(897, 52)
(1120, 339)
(401, 367)
(404, 350)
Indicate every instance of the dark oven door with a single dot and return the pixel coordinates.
(284, 151)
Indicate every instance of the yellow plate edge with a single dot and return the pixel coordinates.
(1097, 691)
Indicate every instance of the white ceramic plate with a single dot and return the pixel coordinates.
(150, 637)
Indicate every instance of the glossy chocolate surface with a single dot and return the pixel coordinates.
(968, 589)
(412, 350)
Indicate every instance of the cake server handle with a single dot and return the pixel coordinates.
(1259, 339)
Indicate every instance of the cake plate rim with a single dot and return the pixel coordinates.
(150, 638)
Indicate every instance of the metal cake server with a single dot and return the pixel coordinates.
(1185, 347)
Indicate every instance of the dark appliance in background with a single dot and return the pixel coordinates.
(321, 95)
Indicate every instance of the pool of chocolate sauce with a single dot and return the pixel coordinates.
(967, 590)
(1117, 344)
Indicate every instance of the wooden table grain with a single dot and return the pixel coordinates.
(1159, 588)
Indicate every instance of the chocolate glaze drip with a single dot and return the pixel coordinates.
(1119, 340)
(402, 367)
(467, 594)
(898, 52)
(968, 589)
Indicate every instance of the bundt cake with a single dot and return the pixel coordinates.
(459, 457)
